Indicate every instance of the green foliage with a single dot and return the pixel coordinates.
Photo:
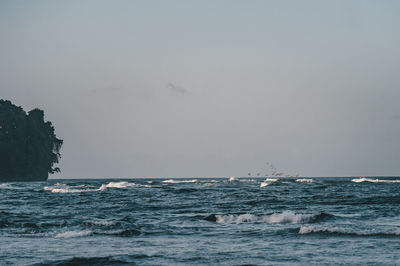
(28, 146)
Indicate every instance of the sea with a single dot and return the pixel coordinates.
(201, 221)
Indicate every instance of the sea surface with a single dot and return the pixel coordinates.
(229, 221)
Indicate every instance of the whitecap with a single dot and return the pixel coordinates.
(62, 188)
(283, 217)
(80, 186)
(144, 185)
(304, 180)
(172, 181)
(363, 179)
(71, 234)
(230, 218)
(268, 181)
(232, 178)
(247, 180)
(122, 184)
(5, 186)
(67, 190)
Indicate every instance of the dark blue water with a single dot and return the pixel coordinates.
(201, 221)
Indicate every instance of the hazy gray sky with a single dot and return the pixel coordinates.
(209, 88)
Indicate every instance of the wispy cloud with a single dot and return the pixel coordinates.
(177, 90)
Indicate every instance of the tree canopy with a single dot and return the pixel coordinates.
(29, 147)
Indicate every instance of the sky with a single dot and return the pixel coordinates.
(209, 88)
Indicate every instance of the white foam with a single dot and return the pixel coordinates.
(284, 217)
(144, 185)
(314, 229)
(247, 180)
(268, 181)
(67, 190)
(348, 231)
(79, 186)
(232, 178)
(62, 188)
(235, 218)
(172, 181)
(363, 179)
(74, 186)
(71, 234)
(56, 190)
(304, 180)
(5, 186)
(123, 184)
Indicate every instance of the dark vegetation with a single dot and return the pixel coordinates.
(28, 146)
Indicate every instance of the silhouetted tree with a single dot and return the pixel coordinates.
(28, 145)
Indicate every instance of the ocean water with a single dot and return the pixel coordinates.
(235, 221)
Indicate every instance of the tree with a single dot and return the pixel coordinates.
(29, 147)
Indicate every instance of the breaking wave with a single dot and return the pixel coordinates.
(62, 188)
(172, 181)
(5, 186)
(284, 217)
(304, 230)
(123, 184)
(304, 180)
(71, 234)
(268, 181)
(248, 180)
(82, 233)
(67, 190)
(359, 180)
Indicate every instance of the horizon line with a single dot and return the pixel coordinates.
(221, 177)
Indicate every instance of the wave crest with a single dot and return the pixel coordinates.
(71, 234)
(67, 190)
(363, 179)
(6, 186)
(122, 184)
(63, 188)
(304, 180)
(283, 217)
(268, 181)
(172, 181)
